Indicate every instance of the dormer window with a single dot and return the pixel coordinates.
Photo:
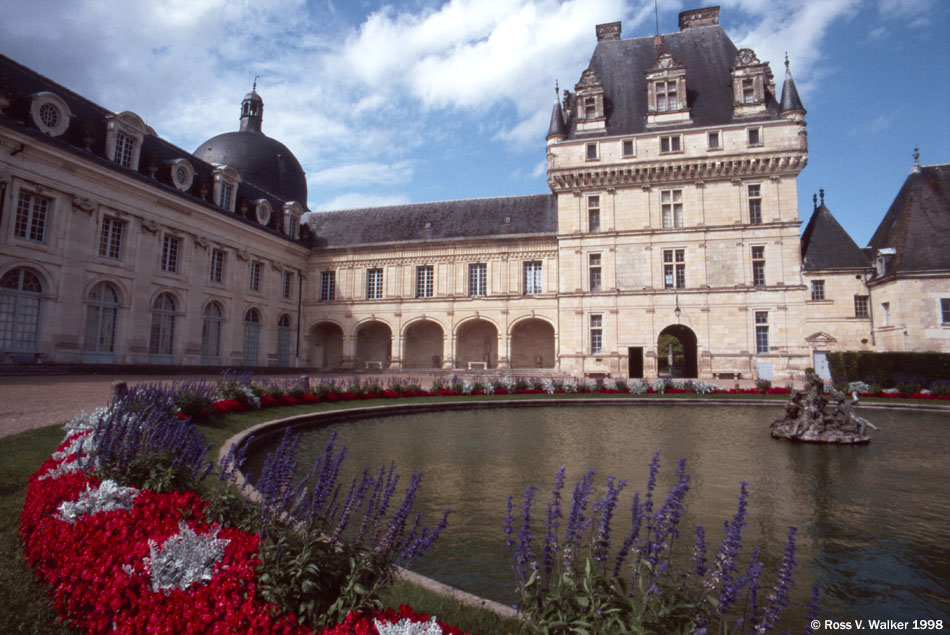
(748, 91)
(50, 113)
(124, 135)
(226, 180)
(666, 92)
(293, 212)
(181, 174)
(751, 81)
(591, 115)
(665, 96)
(262, 211)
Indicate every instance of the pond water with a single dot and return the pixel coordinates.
(873, 520)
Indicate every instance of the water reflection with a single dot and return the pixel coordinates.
(872, 519)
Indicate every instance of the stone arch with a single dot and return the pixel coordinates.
(532, 343)
(684, 357)
(423, 341)
(374, 342)
(476, 340)
(326, 345)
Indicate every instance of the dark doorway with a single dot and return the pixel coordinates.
(635, 364)
(676, 352)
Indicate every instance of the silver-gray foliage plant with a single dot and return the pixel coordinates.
(184, 559)
(108, 496)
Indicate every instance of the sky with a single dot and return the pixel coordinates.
(427, 100)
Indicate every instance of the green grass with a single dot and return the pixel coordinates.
(467, 618)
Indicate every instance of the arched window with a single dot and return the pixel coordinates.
(21, 295)
(102, 314)
(211, 321)
(252, 336)
(284, 336)
(162, 333)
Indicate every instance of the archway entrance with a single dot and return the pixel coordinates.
(477, 345)
(532, 344)
(676, 352)
(374, 342)
(422, 346)
(326, 346)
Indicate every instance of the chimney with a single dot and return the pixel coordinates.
(607, 32)
(699, 17)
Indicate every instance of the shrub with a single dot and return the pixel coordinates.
(762, 384)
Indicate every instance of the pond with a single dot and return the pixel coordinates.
(873, 529)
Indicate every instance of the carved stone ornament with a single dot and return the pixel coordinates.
(276, 266)
(243, 255)
(589, 79)
(665, 60)
(150, 226)
(202, 242)
(746, 57)
(83, 205)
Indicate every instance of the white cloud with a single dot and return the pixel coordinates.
(359, 200)
(369, 173)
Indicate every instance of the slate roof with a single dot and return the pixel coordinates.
(532, 215)
(826, 245)
(708, 54)
(19, 83)
(917, 225)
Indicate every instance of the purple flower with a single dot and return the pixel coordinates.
(724, 568)
(778, 596)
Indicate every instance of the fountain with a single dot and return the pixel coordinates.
(811, 417)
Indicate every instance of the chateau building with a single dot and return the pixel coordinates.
(672, 217)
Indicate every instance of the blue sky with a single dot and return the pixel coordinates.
(427, 100)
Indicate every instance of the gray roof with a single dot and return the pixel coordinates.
(557, 122)
(917, 225)
(708, 54)
(826, 245)
(535, 214)
(790, 99)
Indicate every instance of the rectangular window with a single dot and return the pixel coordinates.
(124, 144)
(216, 273)
(666, 96)
(945, 310)
(748, 91)
(532, 277)
(861, 306)
(593, 213)
(628, 148)
(225, 193)
(424, 281)
(594, 272)
(755, 137)
(817, 289)
(110, 239)
(31, 214)
(670, 144)
(755, 204)
(674, 268)
(591, 151)
(292, 227)
(758, 266)
(886, 307)
(590, 108)
(477, 279)
(288, 290)
(761, 332)
(257, 268)
(712, 141)
(374, 284)
(327, 286)
(170, 248)
(596, 334)
(671, 204)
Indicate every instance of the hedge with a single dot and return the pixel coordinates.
(889, 369)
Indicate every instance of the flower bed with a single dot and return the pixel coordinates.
(117, 559)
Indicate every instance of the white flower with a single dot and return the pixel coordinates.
(467, 387)
(659, 385)
(184, 558)
(108, 497)
(406, 626)
(548, 386)
(638, 387)
(858, 386)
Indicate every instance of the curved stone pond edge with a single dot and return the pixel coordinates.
(394, 409)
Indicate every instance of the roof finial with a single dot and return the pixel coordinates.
(557, 91)
(254, 89)
(786, 62)
(822, 193)
(916, 167)
(814, 201)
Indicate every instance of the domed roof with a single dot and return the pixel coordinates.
(260, 160)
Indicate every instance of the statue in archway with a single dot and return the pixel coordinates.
(813, 418)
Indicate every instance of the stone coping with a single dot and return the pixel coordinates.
(361, 412)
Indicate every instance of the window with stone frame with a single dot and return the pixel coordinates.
(32, 216)
(596, 334)
(477, 279)
(666, 96)
(861, 306)
(817, 290)
(425, 279)
(674, 268)
(758, 266)
(288, 286)
(216, 268)
(748, 90)
(327, 286)
(886, 308)
(124, 150)
(110, 238)
(21, 298)
(255, 276)
(713, 141)
(532, 277)
(225, 196)
(374, 284)
(252, 337)
(594, 272)
(671, 207)
(670, 143)
(629, 148)
(761, 332)
(754, 191)
(755, 136)
(171, 246)
(945, 310)
(593, 213)
(591, 151)
(284, 339)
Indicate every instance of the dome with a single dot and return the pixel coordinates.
(261, 161)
